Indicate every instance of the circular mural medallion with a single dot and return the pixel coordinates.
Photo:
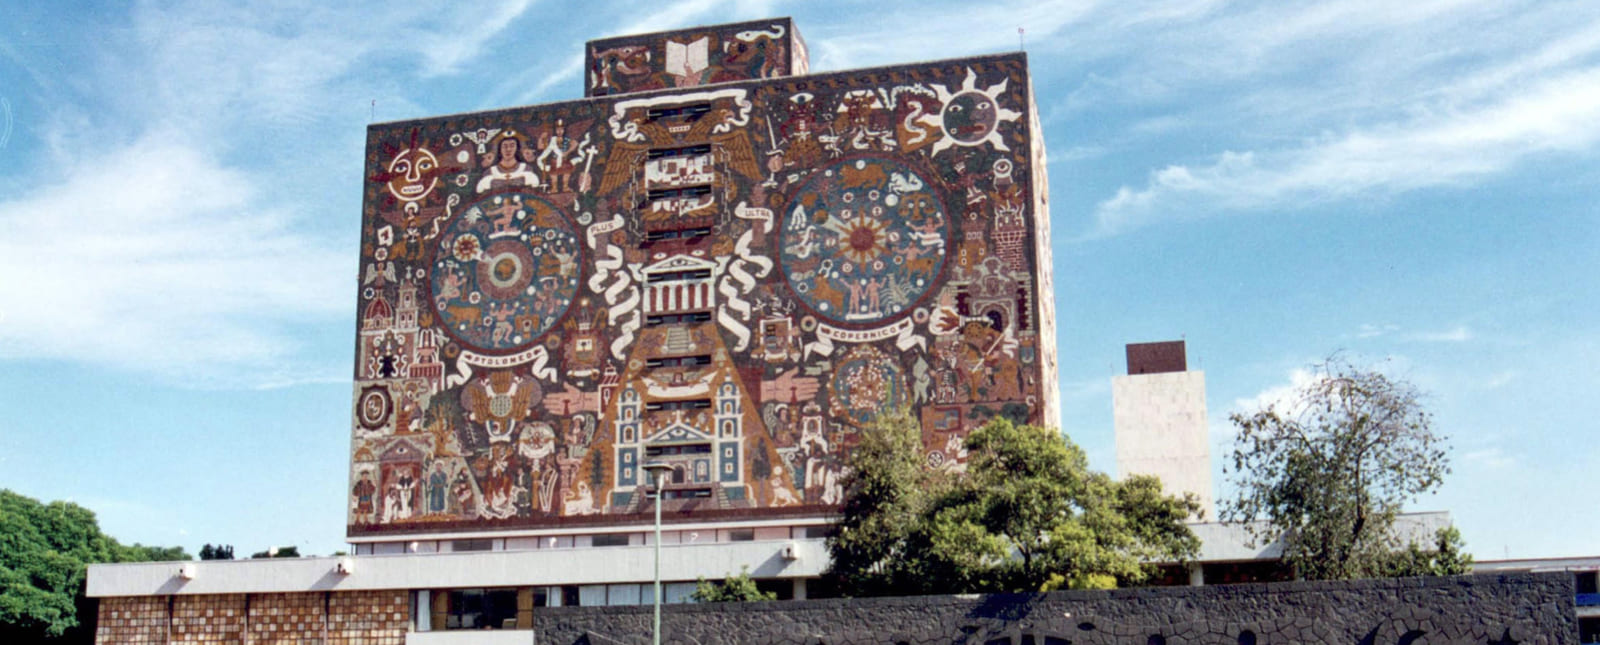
(866, 382)
(504, 272)
(863, 240)
(373, 407)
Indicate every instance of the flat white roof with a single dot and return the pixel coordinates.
(532, 567)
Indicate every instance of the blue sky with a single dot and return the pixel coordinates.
(1412, 183)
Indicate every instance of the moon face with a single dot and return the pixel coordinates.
(413, 174)
(969, 117)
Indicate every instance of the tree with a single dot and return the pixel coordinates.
(218, 552)
(45, 550)
(1446, 558)
(1329, 470)
(277, 552)
(1026, 515)
(738, 588)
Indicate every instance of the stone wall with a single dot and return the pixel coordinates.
(287, 618)
(1528, 609)
(348, 618)
(208, 619)
(368, 618)
(138, 620)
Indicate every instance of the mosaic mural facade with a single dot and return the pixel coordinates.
(699, 56)
(734, 279)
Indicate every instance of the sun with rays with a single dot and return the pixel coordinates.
(864, 240)
(971, 117)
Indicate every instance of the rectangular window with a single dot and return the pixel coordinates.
(686, 404)
(481, 609)
(611, 539)
(741, 535)
(679, 276)
(677, 193)
(690, 112)
(1589, 630)
(686, 493)
(673, 319)
(678, 361)
(1587, 582)
(685, 151)
(472, 545)
(816, 532)
(677, 234)
(783, 589)
(678, 449)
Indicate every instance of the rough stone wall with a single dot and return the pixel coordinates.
(1529, 609)
(287, 618)
(349, 618)
(132, 621)
(208, 619)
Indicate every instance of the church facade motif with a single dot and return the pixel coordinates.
(710, 262)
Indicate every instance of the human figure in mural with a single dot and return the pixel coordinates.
(508, 165)
(463, 498)
(556, 158)
(363, 492)
(403, 496)
(437, 483)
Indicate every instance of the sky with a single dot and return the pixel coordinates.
(1412, 184)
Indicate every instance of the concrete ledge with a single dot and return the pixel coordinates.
(597, 565)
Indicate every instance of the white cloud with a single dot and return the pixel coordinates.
(1491, 458)
(892, 37)
(1281, 396)
(1369, 330)
(1501, 379)
(467, 30)
(154, 258)
(1459, 334)
(1560, 114)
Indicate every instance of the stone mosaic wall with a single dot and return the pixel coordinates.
(133, 621)
(287, 619)
(1530, 609)
(208, 619)
(735, 279)
(368, 618)
(345, 618)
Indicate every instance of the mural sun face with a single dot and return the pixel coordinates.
(413, 174)
(971, 117)
(864, 240)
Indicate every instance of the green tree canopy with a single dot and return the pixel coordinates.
(739, 588)
(1330, 469)
(1026, 515)
(45, 550)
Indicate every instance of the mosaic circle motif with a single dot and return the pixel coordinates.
(866, 383)
(373, 407)
(863, 240)
(504, 272)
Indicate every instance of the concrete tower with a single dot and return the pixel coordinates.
(1159, 411)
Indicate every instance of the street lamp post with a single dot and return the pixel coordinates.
(657, 470)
